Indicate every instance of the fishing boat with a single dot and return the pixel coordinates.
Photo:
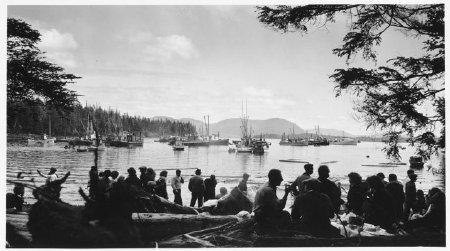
(41, 142)
(416, 162)
(178, 146)
(215, 140)
(292, 141)
(127, 139)
(344, 141)
(318, 140)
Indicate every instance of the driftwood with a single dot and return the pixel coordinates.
(433, 240)
(159, 226)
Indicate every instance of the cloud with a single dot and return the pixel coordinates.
(264, 96)
(164, 48)
(59, 47)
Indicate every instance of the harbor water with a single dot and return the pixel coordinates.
(365, 158)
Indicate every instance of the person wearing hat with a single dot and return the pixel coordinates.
(50, 177)
(197, 188)
(410, 196)
(243, 183)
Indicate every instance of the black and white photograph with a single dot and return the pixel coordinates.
(224, 125)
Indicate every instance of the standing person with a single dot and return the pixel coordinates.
(176, 186)
(161, 185)
(143, 175)
(395, 189)
(268, 209)
(210, 187)
(297, 186)
(329, 187)
(356, 193)
(50, 177)
(197, 188)
(243, 183)
(410, 196)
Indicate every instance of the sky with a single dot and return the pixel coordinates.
(190, 61)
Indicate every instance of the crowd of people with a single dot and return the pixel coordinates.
(387, 204)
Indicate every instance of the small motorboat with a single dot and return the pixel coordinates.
(178, 146)
(416, 162)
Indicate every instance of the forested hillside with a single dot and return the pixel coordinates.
(35, 119)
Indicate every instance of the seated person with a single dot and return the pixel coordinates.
(15, 200)
(312, 211)
(268, 209)
(379, 206)
(355, 196)
(435, 215)
(223, 191)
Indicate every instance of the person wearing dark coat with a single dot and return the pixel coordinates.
(329, 188)
(435, 215)
(197, 188)
(395, 189)
(312, 211)
(143, 177)
(210, 187)
(410, 196)
(161, 185)
(356, 193)
(379, 209)
(132, 178)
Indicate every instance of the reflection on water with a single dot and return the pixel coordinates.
(227, 167)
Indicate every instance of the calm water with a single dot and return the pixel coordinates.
(228, 167)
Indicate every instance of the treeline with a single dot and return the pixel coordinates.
(35, 118)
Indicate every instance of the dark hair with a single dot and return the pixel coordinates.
(213, 177)
(131, 170)
(114, 174)
(323, 171)
(375, 182)
(392, 177)
(308, 167)
(381, 175)
(246, 175)
(198, 171)
(410, 171)
(354, 178)
(273, 173)
(312, 184)
(163, 173)
(143, 168)
(107, 173)
(178, 171)
(52, 170)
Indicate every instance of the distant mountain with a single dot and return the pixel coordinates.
(231, 128)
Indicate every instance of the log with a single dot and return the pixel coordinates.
(159, 226)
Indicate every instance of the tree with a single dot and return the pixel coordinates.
(391, 97)
(30, 78)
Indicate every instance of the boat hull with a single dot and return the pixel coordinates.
(37, 142)
(219, 142)
(293, 143)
